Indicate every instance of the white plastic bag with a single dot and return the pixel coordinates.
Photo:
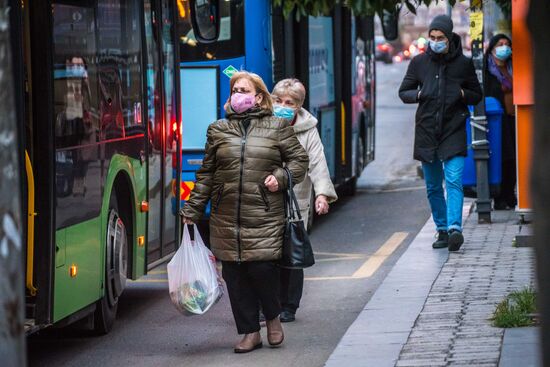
(193, 279)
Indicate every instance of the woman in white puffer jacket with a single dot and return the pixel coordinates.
(288, 97)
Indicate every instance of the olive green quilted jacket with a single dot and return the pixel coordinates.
(247, 220)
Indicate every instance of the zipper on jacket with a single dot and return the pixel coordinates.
(218, 198)
(264, 197)
(241, 172)
(440, 112)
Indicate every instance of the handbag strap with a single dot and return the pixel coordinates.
(291, 202)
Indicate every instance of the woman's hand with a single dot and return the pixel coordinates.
(271, 183)
(186, 220)
(321, 204)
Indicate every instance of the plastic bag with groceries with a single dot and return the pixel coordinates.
(194, 282)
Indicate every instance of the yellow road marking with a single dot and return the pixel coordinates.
(373, 263)
(347, 258)
(337, 254)
(366, 270)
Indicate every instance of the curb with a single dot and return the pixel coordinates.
(382, 328)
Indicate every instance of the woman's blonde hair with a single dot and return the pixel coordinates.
(291, 87)
(259, 85)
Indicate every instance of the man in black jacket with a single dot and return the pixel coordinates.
(443, 82)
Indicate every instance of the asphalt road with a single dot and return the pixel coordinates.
(381, 220)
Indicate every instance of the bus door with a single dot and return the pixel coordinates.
(63, 174)
(358, 91)
(163, 127)
(321, 85)
(365, 77)
(33, 83)
(315, 68)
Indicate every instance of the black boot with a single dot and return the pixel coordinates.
(456, 239)
(442, 240)
(287, 316)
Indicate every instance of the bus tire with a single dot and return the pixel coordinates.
(116, 263)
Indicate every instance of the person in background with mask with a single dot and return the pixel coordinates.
(498, 84)
(242, 175)
(443, 82)
(288, 97)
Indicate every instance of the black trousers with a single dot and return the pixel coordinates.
(292, 286)
(251, 284)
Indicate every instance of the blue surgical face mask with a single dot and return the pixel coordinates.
(283, 112)
(438, 46)
(503, 52)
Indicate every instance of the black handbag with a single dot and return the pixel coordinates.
(297, 251)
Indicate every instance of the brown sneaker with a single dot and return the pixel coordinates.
(249, 343)
(275, 335)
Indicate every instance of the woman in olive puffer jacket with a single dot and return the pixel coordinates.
(242, 174)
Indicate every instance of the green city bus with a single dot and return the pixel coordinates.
(97, 89)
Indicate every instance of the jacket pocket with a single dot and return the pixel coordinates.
(264, 197)
(218, 198)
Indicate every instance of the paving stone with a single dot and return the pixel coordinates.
(464, 296)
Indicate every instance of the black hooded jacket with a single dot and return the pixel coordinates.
(435, 81)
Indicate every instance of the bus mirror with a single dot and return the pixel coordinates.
(205, 18)
(390, 25)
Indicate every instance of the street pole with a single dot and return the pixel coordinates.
(478, 120)
(537, 19)
(12, 299)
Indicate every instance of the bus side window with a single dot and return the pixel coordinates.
(119, 48)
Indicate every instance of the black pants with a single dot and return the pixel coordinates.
(292, 286)
(251, 284)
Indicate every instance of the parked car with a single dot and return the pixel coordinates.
(384, 51)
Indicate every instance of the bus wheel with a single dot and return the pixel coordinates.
(116, 263)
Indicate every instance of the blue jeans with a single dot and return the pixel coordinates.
(447, 214)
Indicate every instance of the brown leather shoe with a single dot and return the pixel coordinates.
(249, 343)
(275, 334)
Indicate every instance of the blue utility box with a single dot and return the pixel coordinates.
(494, 113)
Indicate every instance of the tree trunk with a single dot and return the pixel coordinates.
(12, 334)
(537, 20)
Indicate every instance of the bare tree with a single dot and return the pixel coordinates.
(12, 335)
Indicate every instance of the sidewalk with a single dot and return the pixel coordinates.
(433, 307)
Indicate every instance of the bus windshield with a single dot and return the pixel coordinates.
(231, 39)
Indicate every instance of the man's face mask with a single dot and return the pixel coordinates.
(438, 46)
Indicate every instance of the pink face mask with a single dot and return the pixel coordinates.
(241, 102)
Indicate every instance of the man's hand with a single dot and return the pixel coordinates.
(321, 204)
(271, 183)
(462, 92)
